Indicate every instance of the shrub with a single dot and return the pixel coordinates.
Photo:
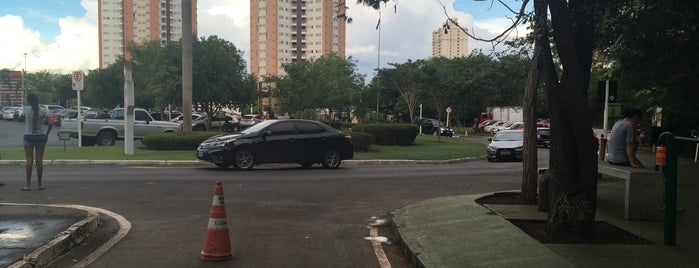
(361, 141)
(390, 134)
(176, 140)
(339, 124)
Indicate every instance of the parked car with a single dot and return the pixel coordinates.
(51, 107)
(543, 137)
(434, 127)
(485, 123)
(506, 145)
(166, 116)
(180, 118)
(216, 122)
(499, 127)
(250, 119)
(279, 141)
(55, 115)
(516, 125)
(489, 128)
(8, 113)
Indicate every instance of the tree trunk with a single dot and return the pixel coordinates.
(573, 164)
(529, 179)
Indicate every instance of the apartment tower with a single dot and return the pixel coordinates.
(449, 41)
(285, 31)
(143, 20)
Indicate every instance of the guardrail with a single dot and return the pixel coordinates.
(668, 145)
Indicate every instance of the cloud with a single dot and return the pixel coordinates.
(74, 48)
(405, 34)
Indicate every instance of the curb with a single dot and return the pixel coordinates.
(65, 162)
(63, 242)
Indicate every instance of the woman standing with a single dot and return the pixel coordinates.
(34, 140)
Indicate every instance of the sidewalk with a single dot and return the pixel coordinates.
(457, 232)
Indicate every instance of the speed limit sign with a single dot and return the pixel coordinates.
(78, 80)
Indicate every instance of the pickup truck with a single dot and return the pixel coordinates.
(107, 131)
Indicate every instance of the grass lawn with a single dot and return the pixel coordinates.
(425, 148)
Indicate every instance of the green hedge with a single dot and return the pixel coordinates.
(177, 140)
(339, 125)
(361, 141)
(390, 134)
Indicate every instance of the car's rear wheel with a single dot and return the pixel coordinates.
(244, 159)
(331, 159)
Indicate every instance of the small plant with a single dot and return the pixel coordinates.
(567, 213)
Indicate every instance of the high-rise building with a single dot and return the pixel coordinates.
(144, 20)
(449, 41)
(285, 31)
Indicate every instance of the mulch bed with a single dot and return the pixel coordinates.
(604, 233)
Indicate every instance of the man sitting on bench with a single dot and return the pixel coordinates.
(621, 149)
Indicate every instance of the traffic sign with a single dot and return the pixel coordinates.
(448, 109)
(78, 80)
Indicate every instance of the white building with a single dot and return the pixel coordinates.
(449, 42)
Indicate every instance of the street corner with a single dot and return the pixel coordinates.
(34, 235)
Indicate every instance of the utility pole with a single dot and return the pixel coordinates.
(24, 93)
(187, 65)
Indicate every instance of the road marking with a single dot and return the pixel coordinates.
(124, 228)
(378, 249)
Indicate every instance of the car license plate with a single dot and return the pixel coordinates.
(505, 153)
(200, 154)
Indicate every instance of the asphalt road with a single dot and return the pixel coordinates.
(278, 215)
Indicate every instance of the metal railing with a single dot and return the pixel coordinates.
(671, 144)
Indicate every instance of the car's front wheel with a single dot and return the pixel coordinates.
(106, 138)
(331, 159)
(244, 159)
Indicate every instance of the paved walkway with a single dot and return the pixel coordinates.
(457, 232)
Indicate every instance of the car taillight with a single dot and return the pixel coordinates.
(348, 137)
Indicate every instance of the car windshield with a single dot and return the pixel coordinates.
(509, 136)
(258, 127)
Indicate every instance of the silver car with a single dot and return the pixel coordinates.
(506, 145)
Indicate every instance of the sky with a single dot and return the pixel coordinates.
(60, 36)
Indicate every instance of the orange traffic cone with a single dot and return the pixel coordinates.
(217, 246)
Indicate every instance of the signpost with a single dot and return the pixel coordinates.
(79, 85)
(64, 136)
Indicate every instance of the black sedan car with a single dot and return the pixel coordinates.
(434, 127)
(279, 141)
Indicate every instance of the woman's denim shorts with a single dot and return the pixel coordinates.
(36, 139)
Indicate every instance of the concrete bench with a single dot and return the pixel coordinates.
(643, 193)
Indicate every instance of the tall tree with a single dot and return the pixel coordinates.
(573, 164)
(651, 48)
(220, 77)
(324, 83)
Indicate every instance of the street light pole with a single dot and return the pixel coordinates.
(24, 93)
